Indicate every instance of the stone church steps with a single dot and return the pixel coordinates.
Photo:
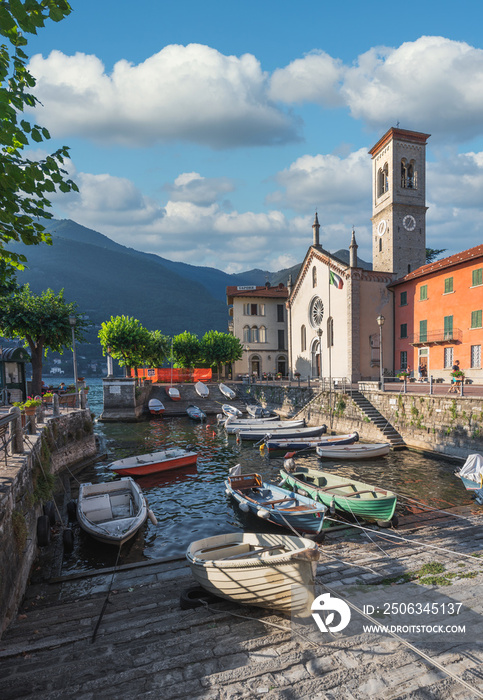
(389, 432)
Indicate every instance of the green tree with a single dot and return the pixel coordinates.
(432, 254)
(43, 321)
(158, 350)
(25, 184)
(126, 340)
(186, 349)
(219, 349)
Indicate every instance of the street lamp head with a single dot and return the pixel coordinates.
(319, 332)
(72, 320)
(380, 320)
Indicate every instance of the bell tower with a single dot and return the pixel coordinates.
(399, 201)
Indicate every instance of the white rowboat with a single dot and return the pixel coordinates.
(226, 391)
(266, 570)
(359, 451)
(202, 390)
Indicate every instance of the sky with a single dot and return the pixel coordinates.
(210, 132)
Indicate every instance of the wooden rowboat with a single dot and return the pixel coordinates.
(226, 391)
(230, 410)
(360, 451)
(273, 571)
(274, 442)
(345, 495)
(202, 390)
(173, 393)
(155, 407)
(273, 504)
(154, 462)
(111, 512)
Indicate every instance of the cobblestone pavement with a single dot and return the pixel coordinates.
(147, 647)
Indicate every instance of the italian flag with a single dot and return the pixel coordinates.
(336, 280)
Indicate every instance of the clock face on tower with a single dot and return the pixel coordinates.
(409, 222)
(381, 227)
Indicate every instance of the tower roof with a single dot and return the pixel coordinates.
(403, 134)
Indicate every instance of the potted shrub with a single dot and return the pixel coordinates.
(30, 406)
(48, 397)
(403, 374)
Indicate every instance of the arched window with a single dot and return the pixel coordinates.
(254, 334)
(382, 180)
(314, 276)
(303, 339)
(330, 332)
(409, 175)
(246, 334)
(262, 334)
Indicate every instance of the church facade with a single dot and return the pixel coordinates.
(338, 313)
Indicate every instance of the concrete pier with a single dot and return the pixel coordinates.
(147, 647)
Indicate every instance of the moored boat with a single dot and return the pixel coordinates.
(280, 432)
(345, 495)
(173, 393)
(274, 442)
(471, 473)
(232, 425)
(111, 512)
(229, 410)
(273, 504)
(360, 451)
(273, 571)
(154, 462)
(195, 413)
(202, 390)
(226, 391)
(155, 407)
(257, 411)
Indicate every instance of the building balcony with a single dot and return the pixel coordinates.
(440, 337)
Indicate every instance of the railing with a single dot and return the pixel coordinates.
(454, 335)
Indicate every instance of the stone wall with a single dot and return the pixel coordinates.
(123, 400)
(443, 424)
(26, 483)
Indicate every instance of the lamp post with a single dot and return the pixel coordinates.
(110, 368)
(247, 350)
(380, 321)
(72, 321)
(319, 334)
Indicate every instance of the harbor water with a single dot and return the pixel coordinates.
(191, 503)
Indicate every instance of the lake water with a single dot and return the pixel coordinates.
(190, 504)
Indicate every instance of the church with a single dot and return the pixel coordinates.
(340, 317)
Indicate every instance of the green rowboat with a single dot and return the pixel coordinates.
(345, 495)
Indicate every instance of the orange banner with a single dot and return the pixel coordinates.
(176, 376)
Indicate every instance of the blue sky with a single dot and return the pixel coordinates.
(211, 132)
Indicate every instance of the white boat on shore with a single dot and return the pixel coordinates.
(266, 570)
(226, 391)
(202, 390)
(229, 410)
(111, 512)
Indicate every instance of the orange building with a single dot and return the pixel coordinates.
(438, 316)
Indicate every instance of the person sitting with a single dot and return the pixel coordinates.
(61, 388)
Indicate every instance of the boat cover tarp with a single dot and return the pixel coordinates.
(472, 469)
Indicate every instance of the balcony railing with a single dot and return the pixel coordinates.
(436, 337)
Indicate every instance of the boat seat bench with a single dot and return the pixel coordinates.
(97, 508)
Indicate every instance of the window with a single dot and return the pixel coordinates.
(404, 330)
(476, 319)
(448, 327)
(423, 331)
(404, 299)
(262, 334)
(477, 277)
(316, 312)
(448, 285)
(280, 317)
(254, 309)
(409, 175)
(423, 292)
(382, 180)
(330, 332)
(448, 358)
(476, 356)
(403, 359)
(380, 244)
(314, 276)
(281, 340)
(303, 339)
(246, 334)
(254, 334)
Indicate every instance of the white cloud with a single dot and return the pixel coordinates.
(192, 187)
(192, 93)
(314, 78)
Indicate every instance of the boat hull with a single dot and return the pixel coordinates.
(173, 394)
(154, 463)
(226, 391)
(196, 413)
(361, 451)
(103, 510)
(271, 503)
(278, 580)
(372, 504)
(268, 433)
(202, 390)
(306, 444)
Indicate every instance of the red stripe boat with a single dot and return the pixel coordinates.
(154, 462)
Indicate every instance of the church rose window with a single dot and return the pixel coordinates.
(316, 312)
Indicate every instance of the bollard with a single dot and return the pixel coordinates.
(32, 423)
(17, 431)
(82, 398)
(55, 405)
